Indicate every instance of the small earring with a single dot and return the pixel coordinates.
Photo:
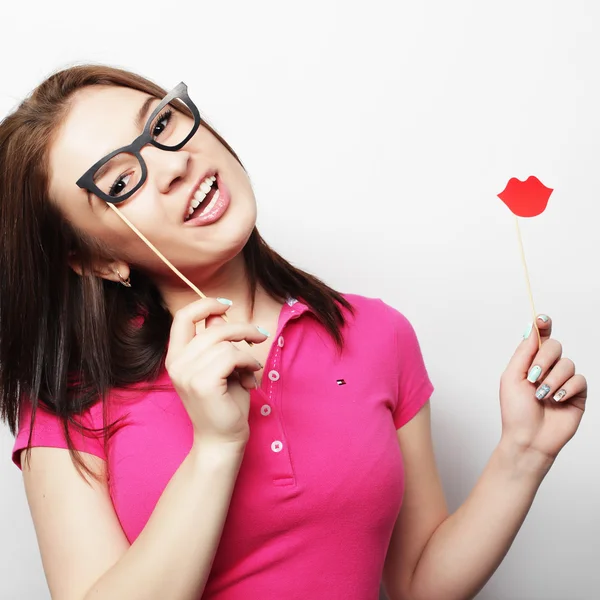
(125, 282)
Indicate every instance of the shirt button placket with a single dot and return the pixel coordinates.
(282, 468)
(273, 375)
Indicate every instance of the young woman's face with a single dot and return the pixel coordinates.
(102, 119)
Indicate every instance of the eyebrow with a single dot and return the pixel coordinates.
(140, 119)
(99, 174)
(102, 170)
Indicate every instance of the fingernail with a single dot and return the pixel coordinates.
(225, 301)
(560, 395)
(528, 331)
(544, 318)
(260, 365)
(542, 391)
(534, 374)
(255, 382)
(263, 331)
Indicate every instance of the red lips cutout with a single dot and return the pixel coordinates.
(526, 198)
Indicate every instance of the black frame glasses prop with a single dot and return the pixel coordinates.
(86, 181)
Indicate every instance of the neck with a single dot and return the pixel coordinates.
(228, 281)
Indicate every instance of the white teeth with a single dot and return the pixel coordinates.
(201, 194)
(204, 188)
(211, 203)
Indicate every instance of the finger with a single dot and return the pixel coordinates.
(544, 360)
(521, 361)
(183, 328)
(248, 380)
(544, 325)
(562, 371)
(225, 363)
(200, 353)
(231, 359)
(214, 320)
(227, 332)
(576, 387)
(217, 319)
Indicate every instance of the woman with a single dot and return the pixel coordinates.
(197, 471)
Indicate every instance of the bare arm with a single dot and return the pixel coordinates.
(83, 545)
(469, 546)
(173, 555)
(433, 555)
(452, 557)
(85, 553)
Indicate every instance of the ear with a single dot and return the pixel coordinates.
(102, 267)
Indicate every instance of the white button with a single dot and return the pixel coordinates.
(273, 375)
(280, 341)
(291, 301)
(265, 410)
(277, 446)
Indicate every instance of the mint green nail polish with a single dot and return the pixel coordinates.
(528, 331)
(534, 374)
(263, 331)
(544, 318)
(225, 301)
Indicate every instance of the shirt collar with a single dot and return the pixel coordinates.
(292, 309)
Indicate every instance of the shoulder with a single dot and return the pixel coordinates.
(47, 428)
(45, 419)
(381, 328)
(374, 312)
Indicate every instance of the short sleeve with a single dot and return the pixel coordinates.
(48, 432)
(414, 386)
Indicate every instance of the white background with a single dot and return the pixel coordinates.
(377, 136)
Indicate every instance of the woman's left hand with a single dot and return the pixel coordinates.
(541, 397)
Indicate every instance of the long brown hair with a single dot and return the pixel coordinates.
(66, 339)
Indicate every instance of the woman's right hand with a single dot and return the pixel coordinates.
(211, 375)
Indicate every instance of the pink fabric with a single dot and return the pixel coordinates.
(322, 479)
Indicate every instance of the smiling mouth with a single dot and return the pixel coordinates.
(205, 198)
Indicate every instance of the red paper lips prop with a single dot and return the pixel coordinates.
(526, 198)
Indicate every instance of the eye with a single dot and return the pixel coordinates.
(118, 187)
(161, 122)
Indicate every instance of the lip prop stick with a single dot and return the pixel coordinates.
(163, 257)
(526, 199)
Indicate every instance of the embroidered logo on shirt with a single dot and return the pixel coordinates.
(341, 382)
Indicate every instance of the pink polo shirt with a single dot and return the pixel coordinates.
(321, 482)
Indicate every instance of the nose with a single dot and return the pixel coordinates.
(167, 169)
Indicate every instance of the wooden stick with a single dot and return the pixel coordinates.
(527, 279)
(165, 259)
(158, 253)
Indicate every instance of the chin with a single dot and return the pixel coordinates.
(234, 232)
(241, 219)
